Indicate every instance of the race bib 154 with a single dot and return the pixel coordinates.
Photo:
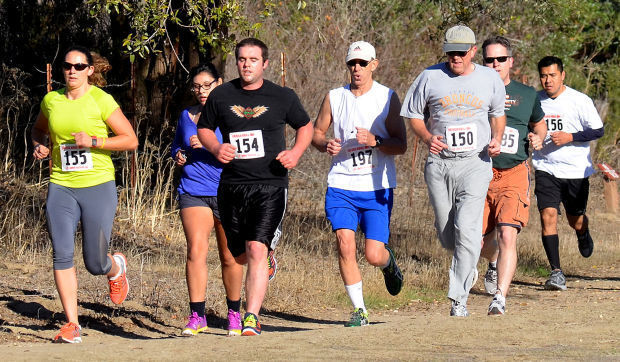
(249, 144)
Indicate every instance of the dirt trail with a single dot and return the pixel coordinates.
(580, 323)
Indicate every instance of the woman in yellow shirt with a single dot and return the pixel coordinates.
(78, 119)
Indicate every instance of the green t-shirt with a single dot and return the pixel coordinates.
(522, 107)
(73, 166)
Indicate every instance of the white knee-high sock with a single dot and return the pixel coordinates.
(356, 295)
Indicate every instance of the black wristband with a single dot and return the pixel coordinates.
(378, 141)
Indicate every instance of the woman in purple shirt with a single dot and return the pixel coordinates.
(197, 190)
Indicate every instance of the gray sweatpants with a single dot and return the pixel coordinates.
(95, 206)
(457, 189)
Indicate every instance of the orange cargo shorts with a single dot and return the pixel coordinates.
(508, 198)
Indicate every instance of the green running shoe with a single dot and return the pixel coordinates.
(358, 318)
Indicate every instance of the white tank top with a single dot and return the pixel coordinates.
(359, 167)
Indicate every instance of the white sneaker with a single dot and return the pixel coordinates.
(490, 281)
(498, 305)
(458, 310)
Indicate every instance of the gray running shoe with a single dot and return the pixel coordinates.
(556, 281)
(392, 275)
(585, 243)
(458, 310)
(498, 305)
(490, 281)
(359, 318)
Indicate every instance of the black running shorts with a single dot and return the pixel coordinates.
(251, 213)
(573, 193)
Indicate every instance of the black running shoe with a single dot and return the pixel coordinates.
(392, 275)
(586, 245)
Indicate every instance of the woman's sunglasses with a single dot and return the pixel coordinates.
(78, 66)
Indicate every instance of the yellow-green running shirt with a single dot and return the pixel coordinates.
(73, 166)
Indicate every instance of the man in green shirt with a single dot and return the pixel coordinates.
(507, 204)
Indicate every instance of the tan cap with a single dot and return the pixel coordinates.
(459, 39)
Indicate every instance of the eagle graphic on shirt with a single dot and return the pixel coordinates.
(248, 112)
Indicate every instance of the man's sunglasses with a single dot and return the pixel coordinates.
(78, 67)
(363, 63)
(490, 60)
(458, 53)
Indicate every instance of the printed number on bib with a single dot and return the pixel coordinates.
(249, 144)
(361, 160)
(74, 158)
(510, 141)
(462, 138)
(554, 124)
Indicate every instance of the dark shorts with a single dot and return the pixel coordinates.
(251, 213)
(572, 193)
(187, 200)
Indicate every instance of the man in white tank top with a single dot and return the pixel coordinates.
(368, 132)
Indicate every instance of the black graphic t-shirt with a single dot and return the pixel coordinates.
(253, 121)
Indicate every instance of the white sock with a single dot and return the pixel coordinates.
(356, 295)
(119, 262)
(493, 264)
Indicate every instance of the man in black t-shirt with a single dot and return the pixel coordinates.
(252, 114)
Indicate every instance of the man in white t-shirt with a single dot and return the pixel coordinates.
(563, 165)
(465, 103)
(368, 132)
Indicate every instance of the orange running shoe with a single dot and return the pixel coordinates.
(69, 333)
(272, 263)
(119, 286)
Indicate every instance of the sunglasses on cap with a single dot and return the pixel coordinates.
(78, 66)
(490, 60)
(363, 63)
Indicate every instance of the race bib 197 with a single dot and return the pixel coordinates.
(510, 141)
(249, 144)
(74, 158)
(462, 138)
(361, 160)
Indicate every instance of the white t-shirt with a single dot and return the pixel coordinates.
(359, 167)
(570, 112)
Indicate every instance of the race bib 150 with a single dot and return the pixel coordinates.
(462, 138)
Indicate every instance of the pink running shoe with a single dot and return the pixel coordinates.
(195, 325)
(234, 323)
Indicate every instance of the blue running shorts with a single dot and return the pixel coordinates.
(371, 210)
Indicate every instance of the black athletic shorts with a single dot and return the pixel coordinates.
(187, 200)
(251, 213)
(573, 193)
